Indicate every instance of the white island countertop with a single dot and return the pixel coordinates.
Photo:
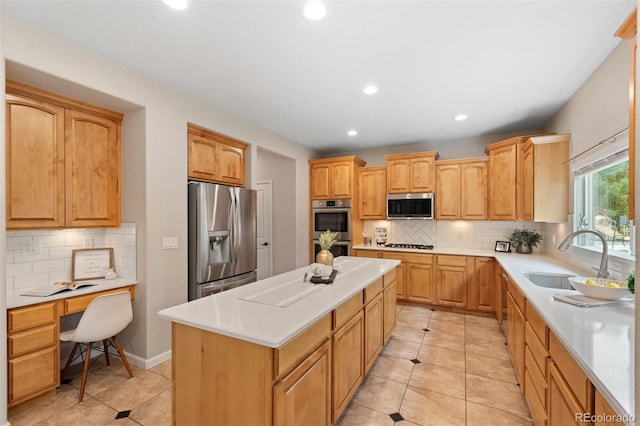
(600, 339)
(272, 311)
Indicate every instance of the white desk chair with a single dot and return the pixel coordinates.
(105, 317)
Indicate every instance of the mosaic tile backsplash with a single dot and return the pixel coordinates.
(44, 257)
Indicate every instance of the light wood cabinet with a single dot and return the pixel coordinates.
(461, 189)
(373, 330)
(411, 172)
(213, 157)
(390, 308)
(348, 369)
(372, 197)
(503, 179)
(605, 415)
(545, 179)
(334, 177)
(480, 286)
(515, 330)
(419, 285)
(452, 275)
(63, 161)
(312, 377)
(563, 406)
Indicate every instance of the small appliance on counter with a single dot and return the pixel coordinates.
(222, 238)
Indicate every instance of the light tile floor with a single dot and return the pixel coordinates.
(456, 373)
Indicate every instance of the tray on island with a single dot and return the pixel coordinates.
(319, 280)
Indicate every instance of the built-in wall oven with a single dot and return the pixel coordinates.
(334, 215)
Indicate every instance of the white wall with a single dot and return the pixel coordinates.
(3, 295)
(154, 166)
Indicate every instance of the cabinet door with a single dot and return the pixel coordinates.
(34, 164)
(92, 170)
(502, 183)
(473, 191)
(390, 307)
(397, 176)
(309, 381)
(372, 193)
(33, 374)
(526, 179)
(515, 337)
(421, 172)
(320, 187)
(605, 415)
(230, 164)
(203, 158)
(448, 191)
(451, 286)
(348, 356)
(401, 272)
(373, 330)
(563, 406)
(340, 180)
(419, 283)
(480, 290)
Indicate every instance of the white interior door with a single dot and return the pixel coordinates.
(265, 236)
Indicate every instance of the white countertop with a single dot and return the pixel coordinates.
(15, 300)
(600, 339)
(251, 313)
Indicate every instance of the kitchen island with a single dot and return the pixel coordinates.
(281, 350)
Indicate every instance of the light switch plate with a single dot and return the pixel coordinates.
(169, 243)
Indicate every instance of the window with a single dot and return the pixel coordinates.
(601, 197)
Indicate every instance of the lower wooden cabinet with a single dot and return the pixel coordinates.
(33, 374)
(452, 275)
(291, 402)
(515, 336)
(373, 330)
(390, 308)
(348, 369)
(564, 408)
(605, 415)
(481, 285)
(419, 285)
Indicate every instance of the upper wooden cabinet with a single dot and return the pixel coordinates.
(545, 179)
(333, 177)
(503, 178)
(411, 172)
(213, 157)
(461, 189)
(63, 161)
(372, 197)
(628, 31)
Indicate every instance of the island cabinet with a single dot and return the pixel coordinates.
(63, 161)
(461, 189)
(373, 323)
(452, 275)
(334, 177)
(214, 157)
(544, 176)
(503, 178)
(372, 194)
(411, 172)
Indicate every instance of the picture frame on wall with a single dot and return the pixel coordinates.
(90, 264)
(503, 246)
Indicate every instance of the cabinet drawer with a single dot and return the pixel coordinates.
(298, 348)
(538, 379)
(537, 325)
(389, 278)
(344, 312)
(30, 340)
(33, 374)
(538, 352)
(404, 257)
(372, 290)
(572, 373)
(367, 253)
(32, 316)
(536, 405)
(452, 260)
(517, 296)
(80, 303)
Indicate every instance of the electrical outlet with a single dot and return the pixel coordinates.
(169, 243)
(30, 247)
(88, 242)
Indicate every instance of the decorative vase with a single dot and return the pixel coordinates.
(524, 248)
(325, 257)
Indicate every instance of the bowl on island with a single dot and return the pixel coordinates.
(600, 288)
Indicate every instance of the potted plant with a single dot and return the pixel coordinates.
(326, 240)
(524, 240)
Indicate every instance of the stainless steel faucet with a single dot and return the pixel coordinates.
(602, 272)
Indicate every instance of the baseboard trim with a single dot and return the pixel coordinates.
(148, 363)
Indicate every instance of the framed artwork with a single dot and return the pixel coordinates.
(504, 246)
(90, 264)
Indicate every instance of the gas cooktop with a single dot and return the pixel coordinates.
(411, 246)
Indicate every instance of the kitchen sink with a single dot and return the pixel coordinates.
(550, 280)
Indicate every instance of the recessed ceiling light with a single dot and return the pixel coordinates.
(460, 117)
(314, 11)
(370, 90)
(352, 132)
(176, 4)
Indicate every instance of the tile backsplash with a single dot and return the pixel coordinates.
(44, 257)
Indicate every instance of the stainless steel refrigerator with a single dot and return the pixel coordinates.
(222, 238)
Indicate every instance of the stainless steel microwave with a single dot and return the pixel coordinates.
(410, 206)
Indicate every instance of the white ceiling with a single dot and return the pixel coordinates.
(508, 65)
